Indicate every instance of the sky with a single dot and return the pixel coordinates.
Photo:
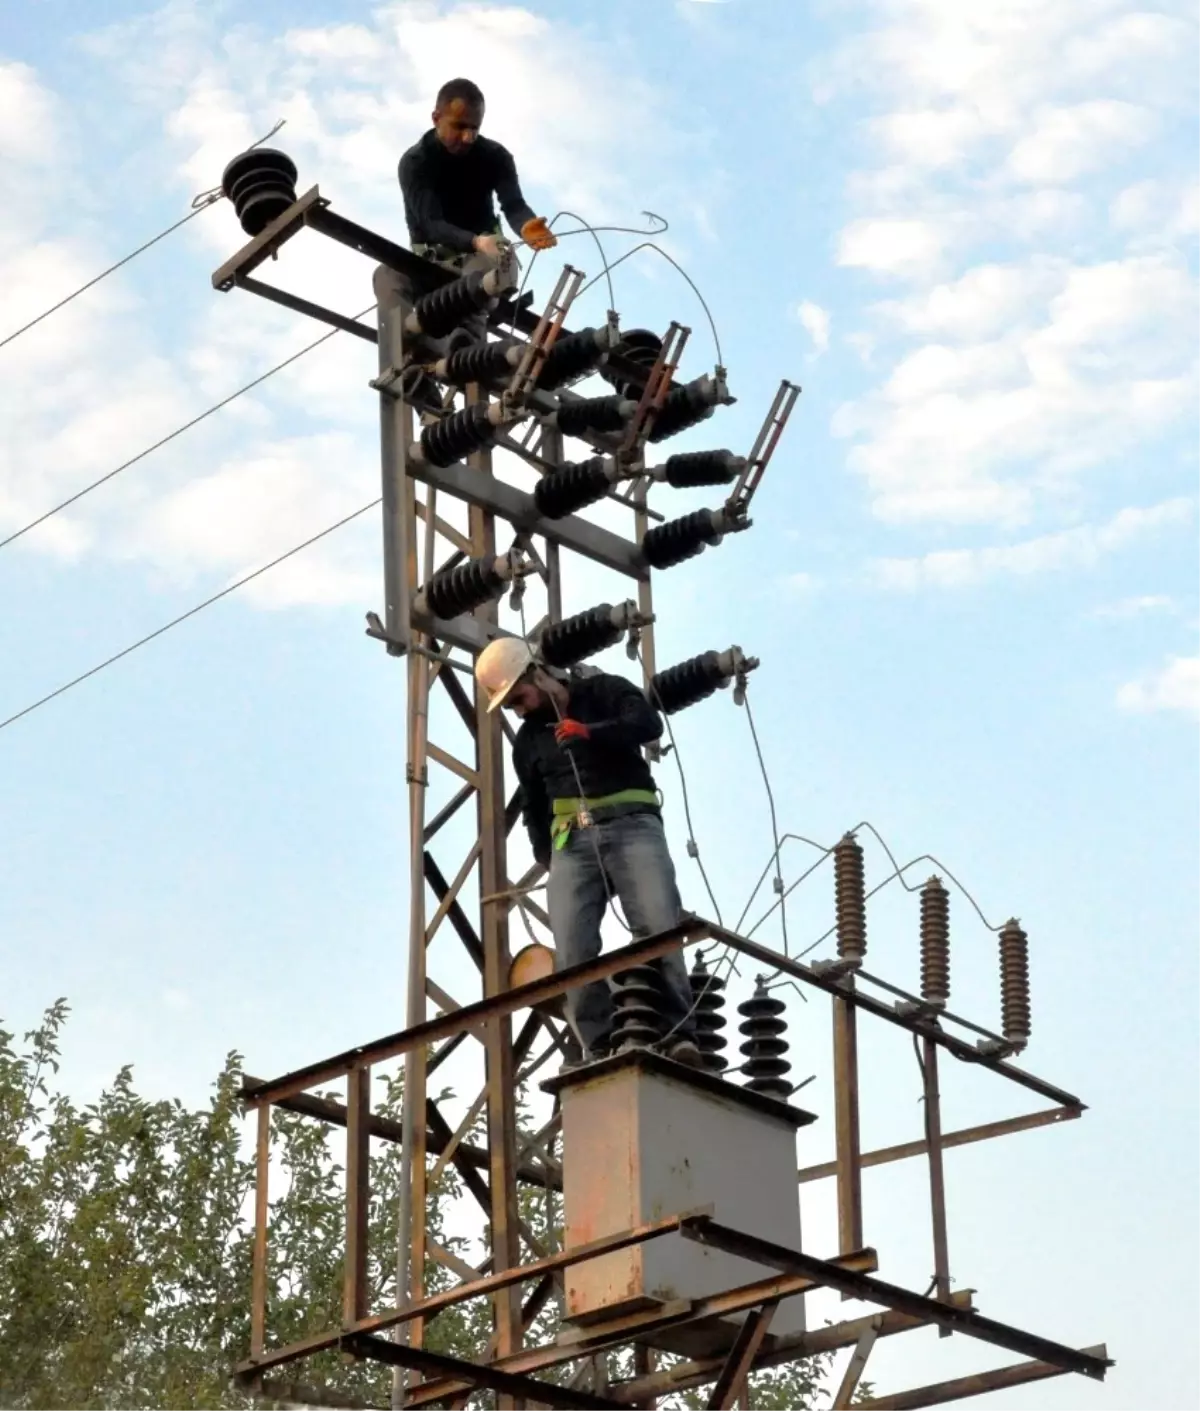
(969, 232)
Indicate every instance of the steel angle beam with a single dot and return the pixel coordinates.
(873, 1290)
(268, 241)
(520, 509)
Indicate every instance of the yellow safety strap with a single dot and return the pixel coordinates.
(570, 812)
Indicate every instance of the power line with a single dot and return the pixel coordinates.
(774, 821)
(183, 617)
(179, 430)
(201, 203)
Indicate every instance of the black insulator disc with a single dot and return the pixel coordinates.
(684, 406)
(687, 683)
(593, 414)
(688, 470)
(478, 362)
(640, 346)
(668, 544)
(571, 487)
(464, 587)
(575, 638)
(457, 435)
(261, 184)
(441, 310)
(571, 356)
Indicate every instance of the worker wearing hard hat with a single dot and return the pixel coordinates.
(592, 811)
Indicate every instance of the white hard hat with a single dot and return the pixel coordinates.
(501, 665)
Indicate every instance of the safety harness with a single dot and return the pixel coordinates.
(580, 813)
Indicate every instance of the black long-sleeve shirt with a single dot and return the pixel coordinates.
(620, 720)
(448, 199)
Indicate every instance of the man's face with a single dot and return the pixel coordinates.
(457, 126)
(525, 697)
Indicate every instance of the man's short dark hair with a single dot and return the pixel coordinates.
(461, 88)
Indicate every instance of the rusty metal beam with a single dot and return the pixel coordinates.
(1017, 1374)
(871, 1290)
(455, 915)
(258, 1292)
(855, 1367)
(584, 1342)
(389, 1130)
(731, 1382)
(685, 1376)
(507, 1384)
(965, 1135)
(640, 952)
(937, 1179)
(358, 1195)
(846, 1123)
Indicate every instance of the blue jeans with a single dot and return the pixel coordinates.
(628, 856)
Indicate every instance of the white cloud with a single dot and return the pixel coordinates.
(1065, 143)
(1080, 547)
(1129, 608)
(1176, 687)
(815, 322)
(1027, 347)
(891, 246)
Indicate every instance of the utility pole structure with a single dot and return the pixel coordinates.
(459, 535)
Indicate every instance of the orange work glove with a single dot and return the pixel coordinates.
(537, 234)
(567, 730)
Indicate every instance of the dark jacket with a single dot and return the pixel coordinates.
(448, 199)
(620, 719)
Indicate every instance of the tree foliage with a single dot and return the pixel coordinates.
(126, 1230)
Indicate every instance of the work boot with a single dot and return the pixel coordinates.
(684, 1050)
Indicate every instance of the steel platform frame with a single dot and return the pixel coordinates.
(439, 653)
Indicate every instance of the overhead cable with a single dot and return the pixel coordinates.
(179, 430)
(183, 617)
(200, 203)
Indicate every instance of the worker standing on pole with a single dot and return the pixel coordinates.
(448, 180)
(592, 811)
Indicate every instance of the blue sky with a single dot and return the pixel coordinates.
(970, 233)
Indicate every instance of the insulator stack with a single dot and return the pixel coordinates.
(594, 414)
(479, 362)
(640, 346)
(567, 642)
(764, 1045)
(638, 1002)
(689, 682)
(464, 587)
(571, 487)
(572, 356)
(686, 406)
(851, 899)
(441, 310)
(1014, 984)
(688, 470)
(261, 184)
(457, 435)
(935, 944)
(708, 997)
(665, 545)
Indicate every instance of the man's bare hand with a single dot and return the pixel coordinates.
(488, 245)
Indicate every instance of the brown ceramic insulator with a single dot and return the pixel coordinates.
(850, 894)
(1014, 983)
(935, 943)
